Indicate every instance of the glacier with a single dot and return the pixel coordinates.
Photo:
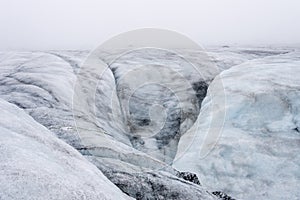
(35, 164)
(256, 156)
(127, 152)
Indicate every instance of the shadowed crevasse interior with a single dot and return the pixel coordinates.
(160, 98)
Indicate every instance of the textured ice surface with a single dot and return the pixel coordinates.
(35, 164)
(160, 94)
(111, 140)
(256, 155)
(41, 83)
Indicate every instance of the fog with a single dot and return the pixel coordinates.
(84, 24)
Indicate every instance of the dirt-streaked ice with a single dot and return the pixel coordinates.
(257, 154)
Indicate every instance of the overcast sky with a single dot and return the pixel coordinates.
(84, 24)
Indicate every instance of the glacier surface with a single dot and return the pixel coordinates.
(142, 137)
(257, 153)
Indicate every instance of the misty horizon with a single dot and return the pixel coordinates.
(35, 25)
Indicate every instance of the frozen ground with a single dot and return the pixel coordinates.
(256, 156)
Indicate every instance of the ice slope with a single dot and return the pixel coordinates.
(257, 154)
(110, 143)
(41, 83)
(160, 94)
(35, 164)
